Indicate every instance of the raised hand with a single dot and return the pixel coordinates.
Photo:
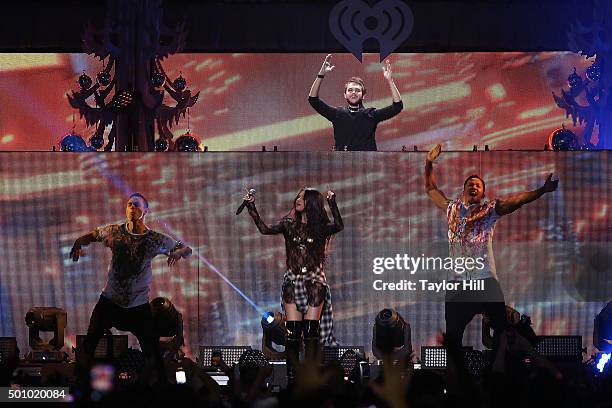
(327, 66)
(550, 185)
(76, 252)
(396, 378)
(434, 153)
(387, 71)
(330, 194)
(173, 258)
(248, 196)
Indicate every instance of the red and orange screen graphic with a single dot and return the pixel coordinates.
(503, 100)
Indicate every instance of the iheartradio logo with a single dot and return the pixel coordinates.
(352, 22)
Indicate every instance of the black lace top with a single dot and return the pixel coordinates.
(305, 251)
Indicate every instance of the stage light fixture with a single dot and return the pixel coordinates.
(433, 357)
(602, 361)
(210, 355)
(348, 361)
(602, 329)
(122, 100)
(167, 320)
(391, 335)
(252, 358)
(250, 363)
(46, 319)
(560, 347)
(274, 332)
(355, 366)
(333, 354)
(474, 362)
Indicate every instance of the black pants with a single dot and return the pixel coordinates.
(462, 305)
(138, 320)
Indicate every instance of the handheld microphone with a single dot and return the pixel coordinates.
(245, 202)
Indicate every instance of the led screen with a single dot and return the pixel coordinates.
(503, 100)
(552, 255)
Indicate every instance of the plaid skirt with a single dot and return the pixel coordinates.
(326, 323)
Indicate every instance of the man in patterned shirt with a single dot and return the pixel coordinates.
(124, 302)
(471, 223)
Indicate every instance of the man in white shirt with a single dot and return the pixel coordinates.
(124, 302)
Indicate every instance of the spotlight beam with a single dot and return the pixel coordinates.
(213, 268)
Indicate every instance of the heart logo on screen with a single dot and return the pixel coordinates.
(352, 22)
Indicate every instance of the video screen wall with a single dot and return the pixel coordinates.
(503, 100)
(552, 256)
